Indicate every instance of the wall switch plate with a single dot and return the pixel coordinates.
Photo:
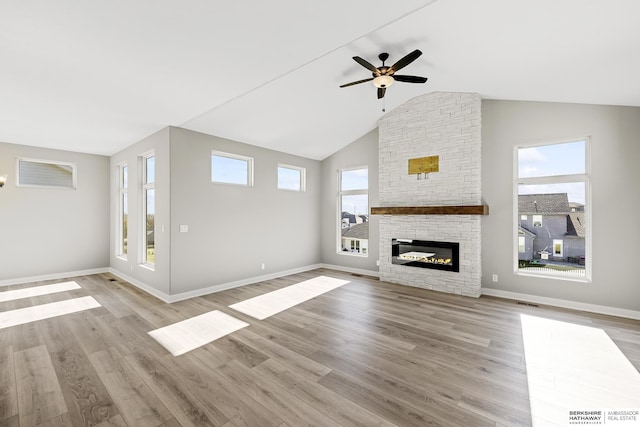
(262, 266)
(184, 228)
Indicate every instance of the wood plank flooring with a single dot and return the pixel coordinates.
(368, 353)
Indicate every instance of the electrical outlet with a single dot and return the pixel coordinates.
(494, 278)
(262, 266)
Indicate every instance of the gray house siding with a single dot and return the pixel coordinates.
(552, 227)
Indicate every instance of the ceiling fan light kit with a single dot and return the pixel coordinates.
(383, 81)
(384, 76)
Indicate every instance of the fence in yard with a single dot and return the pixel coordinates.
(575, 273)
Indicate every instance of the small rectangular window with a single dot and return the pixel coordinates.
(231, 169)
(43, 173)
(537, 220)
(521, 244)
(291, 178)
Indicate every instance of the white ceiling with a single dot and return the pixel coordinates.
(98, 76)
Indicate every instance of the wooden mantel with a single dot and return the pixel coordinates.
(431, 210)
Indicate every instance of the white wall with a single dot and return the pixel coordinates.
(233, 230)
(362, 152)
(158, 279)
(614, 133)
(48, 231)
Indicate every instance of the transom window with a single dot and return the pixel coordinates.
(291, 178)
(45, 173)
(229, 168)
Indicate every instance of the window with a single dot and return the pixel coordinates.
(231, 169)
(291, 178)
(43, 173)
(148, 209)
(557, 248)
(552, 187)
(521, 244)
(123, 211)
(353, 208)
(537, 220)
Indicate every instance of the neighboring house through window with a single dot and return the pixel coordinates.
(353, 208)
(552, 234)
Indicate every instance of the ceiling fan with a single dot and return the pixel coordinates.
(384, 76)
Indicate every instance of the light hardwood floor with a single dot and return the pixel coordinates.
(366, 354)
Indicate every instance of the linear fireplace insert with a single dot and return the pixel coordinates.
(426, 254)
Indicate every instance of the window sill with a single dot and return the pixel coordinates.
(553, 276)
(148, 267)
(353, 254)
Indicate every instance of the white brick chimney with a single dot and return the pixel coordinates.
(440, 124)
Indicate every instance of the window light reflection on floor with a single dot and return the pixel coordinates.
(576, 374)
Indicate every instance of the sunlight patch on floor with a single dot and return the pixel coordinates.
(37, 291)
(274, 302)
(573, 370)
(46, 311)
(182, 337)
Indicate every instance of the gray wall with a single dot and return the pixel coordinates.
(234, 229)
(159, 277)
(362, 152)
(615, 198)
(47, 231)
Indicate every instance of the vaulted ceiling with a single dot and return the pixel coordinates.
(99, 76)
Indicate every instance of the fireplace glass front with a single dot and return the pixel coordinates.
(426, 254)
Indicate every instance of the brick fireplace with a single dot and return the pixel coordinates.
(440, 124)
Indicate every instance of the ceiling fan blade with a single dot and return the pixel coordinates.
(410, 79)
(355, 83)
(367, 65)
(408, 59)
(381, 91)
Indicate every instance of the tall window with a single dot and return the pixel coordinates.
(123, 211)
(552, 225)
(148, 209)
(229, 168)
(291, 178)
(353, 208)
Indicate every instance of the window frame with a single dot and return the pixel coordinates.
(302, 178)
(145, 187)
(247, 159)
(123, 190)
(72, 165)
(555, 179)
(355, 192)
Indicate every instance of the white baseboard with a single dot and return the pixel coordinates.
(210, 289)
(350, 270)
(54, 276)
(141, 285)
(574, 305)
